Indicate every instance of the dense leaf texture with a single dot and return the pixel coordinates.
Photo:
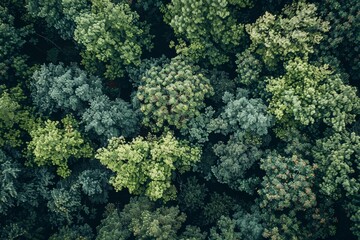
(146, 166)
(112, 34)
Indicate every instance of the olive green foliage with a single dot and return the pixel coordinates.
(287, 184)
(293, 33)
(248, 68)
(210, 27)
(192, 233)
(160, 223)
(68, 89)
(337, 160)
(307, 94)
(108, 118)
(14, 119)
(172, 94)
(52, 144)
(113, 35)
(314, 223)
(146, 166)
(142, 220)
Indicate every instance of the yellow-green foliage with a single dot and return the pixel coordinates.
(52, 144)
(307, 94)
(293, 33)
(146, 166)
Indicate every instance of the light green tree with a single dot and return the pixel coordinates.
(306, 94)
(52, 144)
(146, 166)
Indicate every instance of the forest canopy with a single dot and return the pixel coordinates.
(179, 119)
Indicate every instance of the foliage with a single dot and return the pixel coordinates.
(113, 225)
(242, 225)
(52, 144)
(336, 157)
(83, 232)
(112, 34)
(293, 33)
(218, 205)
(343, 38)
(59, 14)
(108, 118)
(56, 87)
(9, 172)
(246, 120)
(142, 220)
(237, 157)
(248, 67)
(160, 223)
(146, 166)
(243, 114)
(210, 26)
(287, 184)
(307, 94)
(192, 195)
(14, 119)
(12, 40)
(172, 94)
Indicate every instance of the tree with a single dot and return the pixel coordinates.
(192, 195)
(112, 35)
(288, 191)
(68, 89)
(172, 94)
(15, 119)
(59, 14)
(307, 94)
(287, 184)
(9, 172)
(12, 40)
(108, 118)
(141, 219)
(247, 121)
(342, 40)
(52, 144)
(83, 232)
(294, 33)
(210, 27)
(336, 157)
(146, 166)
(242, 225)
